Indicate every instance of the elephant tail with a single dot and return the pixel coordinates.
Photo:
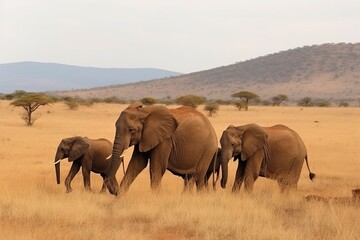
(311, 175)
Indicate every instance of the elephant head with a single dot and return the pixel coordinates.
(145, 127)
(71, 148)
(241, 143)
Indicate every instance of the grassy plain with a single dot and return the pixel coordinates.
(33, 206)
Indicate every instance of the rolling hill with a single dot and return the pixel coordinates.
(329, 71)
(37, 77)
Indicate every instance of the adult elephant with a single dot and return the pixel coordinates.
(275, 152)
(181, 140)
(83, 152)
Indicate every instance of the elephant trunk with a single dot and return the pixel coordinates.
(116, 160)
(117, 151)
(224, 171)
(57, 171)
(59, 155)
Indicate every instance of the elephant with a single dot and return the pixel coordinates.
(275, 152)
(180, 140)
(87, 153)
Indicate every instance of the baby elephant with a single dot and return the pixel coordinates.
(88, 153)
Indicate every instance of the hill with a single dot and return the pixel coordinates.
(330, 71)
(35, 76)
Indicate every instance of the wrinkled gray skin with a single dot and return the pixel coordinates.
(181, 140)
(86, 153)
(275, 152)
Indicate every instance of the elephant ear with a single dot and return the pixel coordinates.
(253, 139)
(159, 125)
(79, 147)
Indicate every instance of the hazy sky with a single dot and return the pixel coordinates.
(177, 35)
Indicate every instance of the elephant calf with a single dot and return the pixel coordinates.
(87, 153)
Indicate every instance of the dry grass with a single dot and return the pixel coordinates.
(33, 206)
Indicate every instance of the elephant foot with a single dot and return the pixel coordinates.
(68, 190)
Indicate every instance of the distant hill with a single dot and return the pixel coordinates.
(330, 71)
(35, 76)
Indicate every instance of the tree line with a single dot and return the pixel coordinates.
(30, 102)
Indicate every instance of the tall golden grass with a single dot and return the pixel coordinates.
(33, 206)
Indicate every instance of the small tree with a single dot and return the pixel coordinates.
(277, 100)
(72, 104)
(190, 100)
(245, 96)
(239, 104)
(31, 102)
(211, 108)
(148, 101)
(306, 102)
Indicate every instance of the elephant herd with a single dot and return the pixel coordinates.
(183, 141)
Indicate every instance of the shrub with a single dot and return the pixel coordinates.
(211, 108)
(190, 100)
(148, 101)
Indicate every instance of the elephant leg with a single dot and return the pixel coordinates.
(103, 188)
(239, 178)
(290, 179)
(252, 170)
(158, 163)
(200, 182)
(75, 167)
(137, 163)
(86, 177)
(189, 182)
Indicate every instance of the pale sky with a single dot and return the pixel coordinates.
(177, 35)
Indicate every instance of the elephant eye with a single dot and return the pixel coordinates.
(131, 130)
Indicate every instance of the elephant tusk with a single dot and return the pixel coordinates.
(111, 156)
(57, 161)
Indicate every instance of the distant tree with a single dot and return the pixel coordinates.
(114, 99)
(306, 102)
(239, 104)
(211, 108)
(190, 100)
(343, 104)
(148, 101)
(322, 103)
(31, 102)
(277, 100)
(16, 94)
(245, 96)
(71, 104)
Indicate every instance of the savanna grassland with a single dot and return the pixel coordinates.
(33, 206)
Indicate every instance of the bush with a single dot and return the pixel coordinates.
(343, 104)
(240, 104)
(190, 100)
(211, 108)
(72, 105)
(306, 102)
(148, 101)
(322, 103)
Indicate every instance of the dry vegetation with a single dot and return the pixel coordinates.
(330, 71)
(33, 206)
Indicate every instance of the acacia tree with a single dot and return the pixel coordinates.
(211, 108)
(31, 102)
(190, 100)
(306, 102)
(245, 96)
(277, 100)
